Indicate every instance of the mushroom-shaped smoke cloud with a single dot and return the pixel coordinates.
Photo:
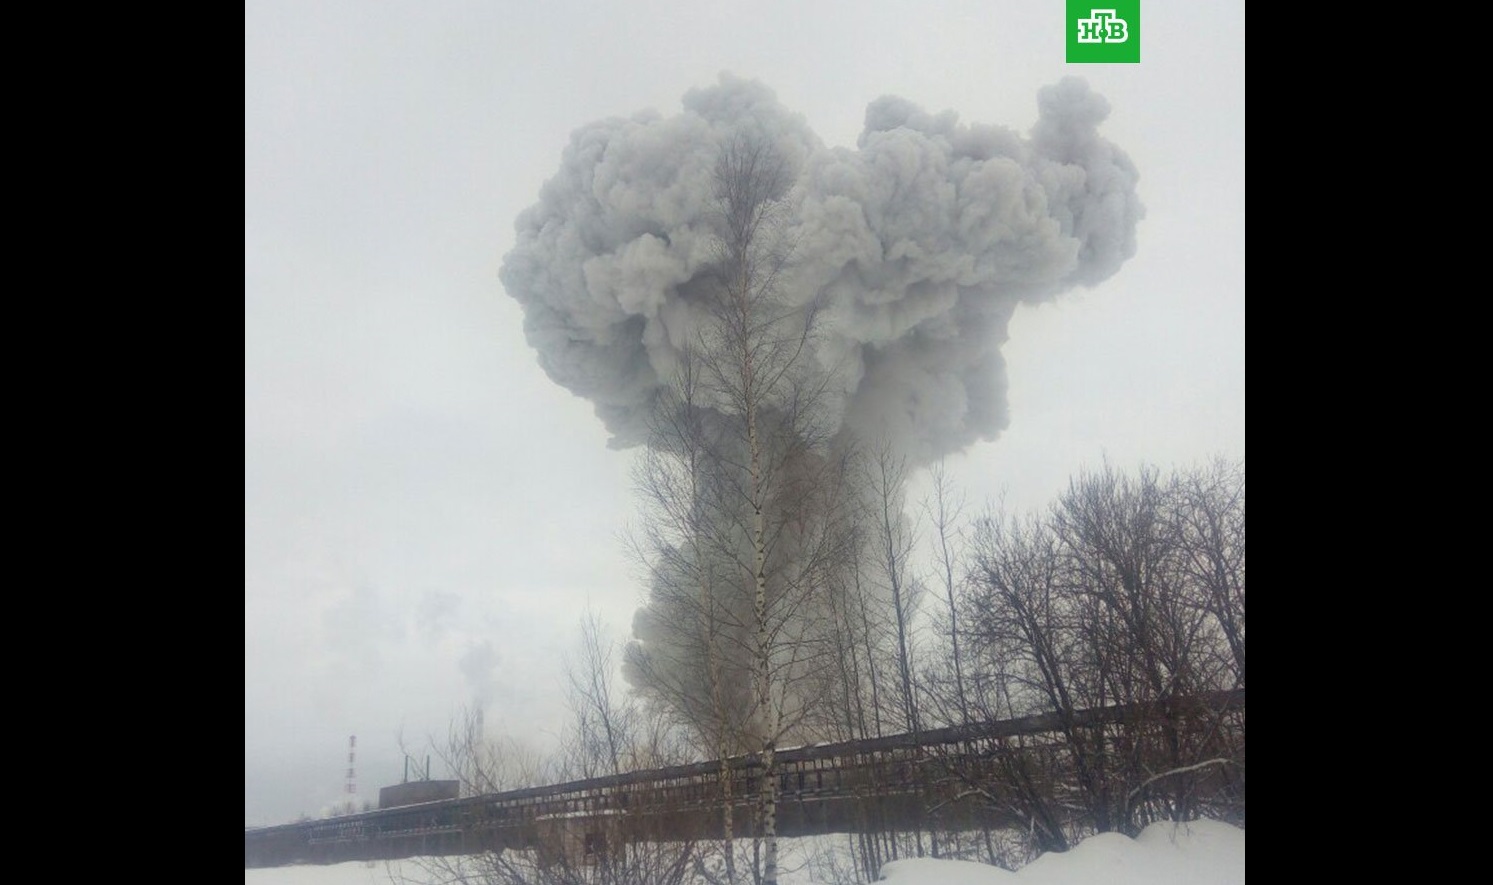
(915, 247)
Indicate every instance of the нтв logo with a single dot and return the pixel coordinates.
(1108, 33)
(1103, 28)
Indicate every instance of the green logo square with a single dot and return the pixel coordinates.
(1103, 31)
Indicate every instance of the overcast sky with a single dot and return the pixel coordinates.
(427, 515)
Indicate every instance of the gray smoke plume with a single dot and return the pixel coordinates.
(917, 246)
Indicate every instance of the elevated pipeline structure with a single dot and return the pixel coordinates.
(895, 782)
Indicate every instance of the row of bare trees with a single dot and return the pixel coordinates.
(1129, 591)
(787, 601)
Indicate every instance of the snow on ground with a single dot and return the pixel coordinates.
(1164, 854)
(1198, 853)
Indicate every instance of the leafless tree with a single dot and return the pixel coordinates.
(893, 540)
(1210, 512)
(944, 509)
(744, 494)
(1021, 617)
(690, 655)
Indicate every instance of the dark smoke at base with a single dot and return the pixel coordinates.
(918, 245)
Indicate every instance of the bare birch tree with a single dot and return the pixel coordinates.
(689, 654)
(747, 495)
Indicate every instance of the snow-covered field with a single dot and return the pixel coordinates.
(1199, 853)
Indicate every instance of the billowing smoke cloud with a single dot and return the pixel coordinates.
(918, 245)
